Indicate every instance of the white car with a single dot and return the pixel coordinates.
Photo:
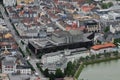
(36, 74)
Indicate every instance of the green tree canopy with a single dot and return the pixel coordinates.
(46, 72)
(106, 5)
(70, 69)
(59, 73)
(106, 29)
(51, 76)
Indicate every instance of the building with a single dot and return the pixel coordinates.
(8, 65)
(114, 16)
(75, 54)
(51, 58)
(23, 69)
(67, 37)
(103, 48)
(20, 77)
(9, 2)
(61, 40)
(87, 8)
(11, 64)
(115, 28)
(92, 26)
(4, 76)
(68, 54)
(59, 59)
(3, 29)
(24, 1)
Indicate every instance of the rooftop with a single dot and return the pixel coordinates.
(9, 60)
(101, 46)
(4, 77)
(19, 77)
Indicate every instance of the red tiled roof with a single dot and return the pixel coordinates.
(87, 8)
(19, 6)
(107, 45)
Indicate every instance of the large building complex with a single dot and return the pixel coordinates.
(62, 40)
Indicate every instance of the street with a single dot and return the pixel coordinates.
(17, 38)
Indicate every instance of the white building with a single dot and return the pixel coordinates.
(103, 48)
(8, 65)
(9, 2)
(11, 65)
(70, 55)
(51, 57)
(114, 16)
(23, 69)
(77, 55)
(114, 29)
(104, 17)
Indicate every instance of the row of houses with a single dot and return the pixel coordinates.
(11, 60)
(11, 65)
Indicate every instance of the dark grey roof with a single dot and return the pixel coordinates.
(9, 60)
(61, 34)
(90, 22)
(22, 67)
(101, 38)
(110, 36)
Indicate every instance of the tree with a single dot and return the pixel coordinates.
(110, 4)
(107, 54)
(106, 29)
(115, 53)
(104, 6)
(81, 59)
(87, 57)
(92, 57)
(38, 66)
(89, 1)
(40, 55)
(69, 70)
(52, 76)
(98, 55)
(59, 73)
(46, 73)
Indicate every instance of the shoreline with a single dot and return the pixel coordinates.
(81, 66)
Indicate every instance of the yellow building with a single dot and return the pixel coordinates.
(8, 35)
(25, 1)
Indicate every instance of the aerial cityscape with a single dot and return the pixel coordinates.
(59, 39)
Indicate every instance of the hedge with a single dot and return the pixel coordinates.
(32, 68)
(23, 54)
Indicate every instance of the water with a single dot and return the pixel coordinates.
(102, 71)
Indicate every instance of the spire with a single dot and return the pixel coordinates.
(6, 51)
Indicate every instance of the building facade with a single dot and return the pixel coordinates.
(92, 26)
(103, 48)
(9, 2)
(24, 1)
(23, 69)
(51, 58)
(8, 65)
(12, 65)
